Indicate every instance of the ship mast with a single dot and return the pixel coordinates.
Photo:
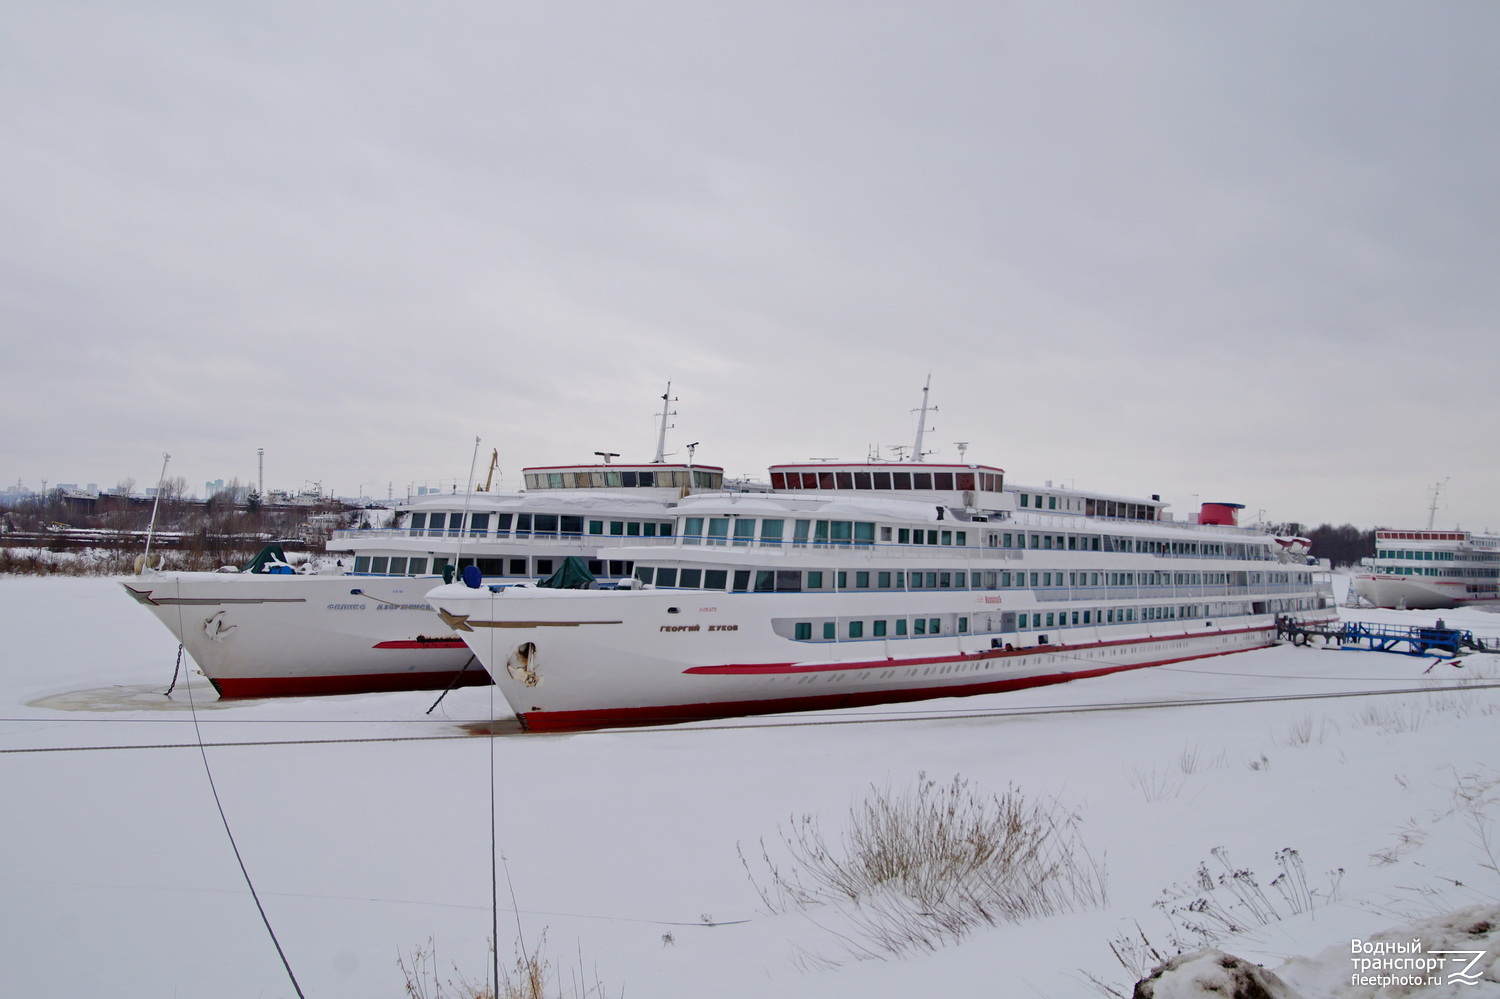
(661, 436)
(916, 450)
(1437, 488)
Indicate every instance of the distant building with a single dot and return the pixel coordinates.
(234, 493)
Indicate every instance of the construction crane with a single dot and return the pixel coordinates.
(489, 480)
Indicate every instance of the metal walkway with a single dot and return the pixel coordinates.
(1437, 640)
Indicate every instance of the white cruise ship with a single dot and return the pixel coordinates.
(1431, 570)
(366, 626)
(874, 582)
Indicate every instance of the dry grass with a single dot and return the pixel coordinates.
(1474, 795)
(1169, 781)
(1474, 798)
(1392, 719)
(1213, 905)
(111, 561)
(532, 975)
(921, 868)
(1192, 760)
(1306, 731)
(1158, 785)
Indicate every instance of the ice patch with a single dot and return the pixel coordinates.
(131, 697)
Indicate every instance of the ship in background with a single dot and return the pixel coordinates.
(1429, 568)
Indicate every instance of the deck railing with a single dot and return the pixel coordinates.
(967, 553)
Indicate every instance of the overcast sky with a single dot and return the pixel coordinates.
(1239, 252)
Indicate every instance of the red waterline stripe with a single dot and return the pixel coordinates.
(436, 643)
(361, 683)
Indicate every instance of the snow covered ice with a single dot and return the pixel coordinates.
(364, 822)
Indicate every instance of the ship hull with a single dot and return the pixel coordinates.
(595, 659)
(269, 635)
(1408, 593)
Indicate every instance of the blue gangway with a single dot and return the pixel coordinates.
(1430, 640)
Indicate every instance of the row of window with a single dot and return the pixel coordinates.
(772, 532)
(743, 531)
(397, 565)
(797, 580)
(1046, 542)
(610, 478)
(902, 481)
(1033, 620)
(879, 628)
(1424, 570)
(829, 630)
(1055, 619)
(1033, 501)
(1093, 579)
(525, 525)
(1117, 615)
(1114, 508)
(1111, 543)
(1418, 556)
(947, 481)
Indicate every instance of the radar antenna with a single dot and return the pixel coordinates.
(916, 450)
(1437, 489)
(661, 437)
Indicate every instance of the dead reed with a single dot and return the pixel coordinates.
(920, 868)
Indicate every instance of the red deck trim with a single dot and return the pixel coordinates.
(230, 688)
(436, 643)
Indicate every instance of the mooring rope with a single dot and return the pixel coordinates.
(495, 849)
(453, 682)
(202, 752)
